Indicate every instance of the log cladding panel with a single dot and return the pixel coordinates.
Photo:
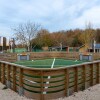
(54, 73)
(31, 72)
(54, 79)
(54, 84)
(96, 56)
(31, 83)
(32, 89)
(32, 95)
(44, 55)
(54, 89)
(30, 78)
(55, 95)
(10, 57)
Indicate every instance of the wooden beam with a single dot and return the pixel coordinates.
(21, 89)
(3, 73)
(8, 83)
(14, 78)
(66, 82)
(0, 72)
(42, 86)
(91, 77)
(84, 76)
(98, 73)
(8, 72)
(76, 79)
(21, 77)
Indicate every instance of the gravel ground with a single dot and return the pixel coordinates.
(7, 94)
(92, 93)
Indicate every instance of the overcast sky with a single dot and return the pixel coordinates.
(53, 15)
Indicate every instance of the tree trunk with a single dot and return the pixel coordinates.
(28, 49)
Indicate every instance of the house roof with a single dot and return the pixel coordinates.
(82, 46)
(97, 46)
(57, 47)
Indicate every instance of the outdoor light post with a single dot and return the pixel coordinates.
(12, 44)
(2, 47)
(94, 45)
(60, 46)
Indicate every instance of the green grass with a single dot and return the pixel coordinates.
(46, 63)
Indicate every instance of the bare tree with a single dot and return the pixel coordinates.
(59, 39)
(25, 32)
(86, 37)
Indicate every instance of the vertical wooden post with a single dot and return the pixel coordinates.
(8, 72)
(8, 76)
(84, 76)
(76, 79)
(3, 73)
(0, 72)
(21, 90)
(42, 86)
(91, 66)
(21, 77)
(98, 72)
(14, 78)
(66, 82)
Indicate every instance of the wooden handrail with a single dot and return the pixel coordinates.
(64, 67)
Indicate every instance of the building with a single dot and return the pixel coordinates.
(91, 48)
(4, 43)
(95, 48)
(58, 48)
(64, 48)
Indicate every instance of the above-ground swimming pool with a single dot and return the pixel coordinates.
(48, 79)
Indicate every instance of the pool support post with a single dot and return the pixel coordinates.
(21, 89)
(8, 83)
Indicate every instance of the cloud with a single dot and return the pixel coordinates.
(52, 14)
(91, 15)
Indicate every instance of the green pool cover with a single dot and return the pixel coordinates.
(48, 63)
